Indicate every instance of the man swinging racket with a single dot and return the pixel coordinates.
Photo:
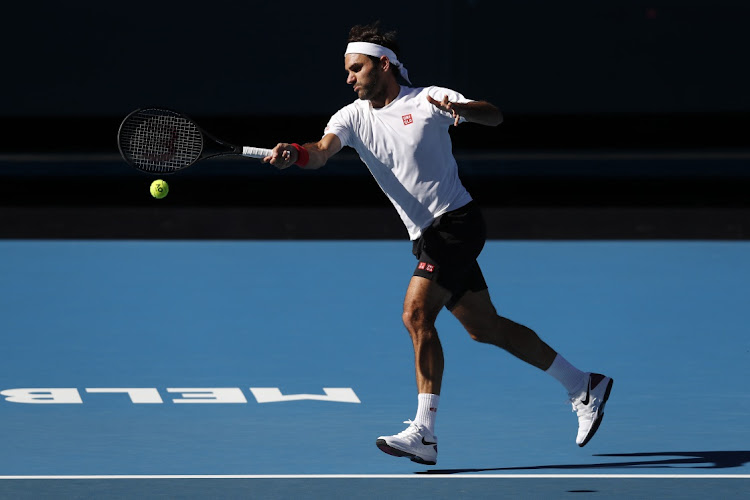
(402, 134)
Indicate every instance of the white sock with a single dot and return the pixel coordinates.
(568, 375)
(427, 410)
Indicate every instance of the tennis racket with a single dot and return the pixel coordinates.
(162, 141)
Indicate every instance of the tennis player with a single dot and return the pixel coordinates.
(401, 133)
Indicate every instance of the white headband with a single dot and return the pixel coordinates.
(375, 50)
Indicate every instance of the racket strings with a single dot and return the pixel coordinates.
(160, 141)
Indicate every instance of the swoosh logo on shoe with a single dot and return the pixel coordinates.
(585, 400)
(427, 443)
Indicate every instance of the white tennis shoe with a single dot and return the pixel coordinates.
(416, 442)
(589, 405)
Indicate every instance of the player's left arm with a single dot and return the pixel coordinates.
(482, 112)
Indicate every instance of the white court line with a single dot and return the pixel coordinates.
(388, 476)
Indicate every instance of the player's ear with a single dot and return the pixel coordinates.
(385, 63)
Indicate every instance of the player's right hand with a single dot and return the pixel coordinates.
(282, 156)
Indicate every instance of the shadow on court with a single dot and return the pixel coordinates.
(690, 460)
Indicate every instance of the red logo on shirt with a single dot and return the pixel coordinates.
(407, 119)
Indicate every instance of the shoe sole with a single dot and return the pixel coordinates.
(598, 421)
(390, 450)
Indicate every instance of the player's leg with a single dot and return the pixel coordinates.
(444, 251)
(477, 314)
(424, 300)
(588, 392)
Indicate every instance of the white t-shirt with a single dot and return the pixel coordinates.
(407, 147)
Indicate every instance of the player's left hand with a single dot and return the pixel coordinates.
(454, 108)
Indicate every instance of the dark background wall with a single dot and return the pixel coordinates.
(285, 58)
(615, 111)
(645, 72)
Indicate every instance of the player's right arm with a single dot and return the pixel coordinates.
(285, 155)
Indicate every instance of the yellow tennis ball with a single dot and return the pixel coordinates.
(159, 189)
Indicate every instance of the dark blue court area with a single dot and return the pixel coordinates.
(266, 369)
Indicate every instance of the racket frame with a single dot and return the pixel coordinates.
(211, 146)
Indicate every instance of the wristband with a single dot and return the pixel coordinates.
(303, 156)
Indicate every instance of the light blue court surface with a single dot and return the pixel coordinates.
(218, 335)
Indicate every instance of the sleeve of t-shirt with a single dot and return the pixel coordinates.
(438, 93)
(340, 124)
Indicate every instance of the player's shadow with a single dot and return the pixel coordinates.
(650, 460)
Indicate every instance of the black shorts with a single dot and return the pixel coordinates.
(448, 249)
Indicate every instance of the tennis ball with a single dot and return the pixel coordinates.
(159, 189)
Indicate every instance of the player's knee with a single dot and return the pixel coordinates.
(416, 321)
(487, 332)
(478, 334)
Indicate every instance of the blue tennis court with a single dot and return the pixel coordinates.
(265, 365)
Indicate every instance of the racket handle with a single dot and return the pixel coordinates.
(255, 152)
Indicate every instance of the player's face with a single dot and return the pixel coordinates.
(365, 76)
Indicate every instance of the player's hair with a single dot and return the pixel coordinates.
(374, 33)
